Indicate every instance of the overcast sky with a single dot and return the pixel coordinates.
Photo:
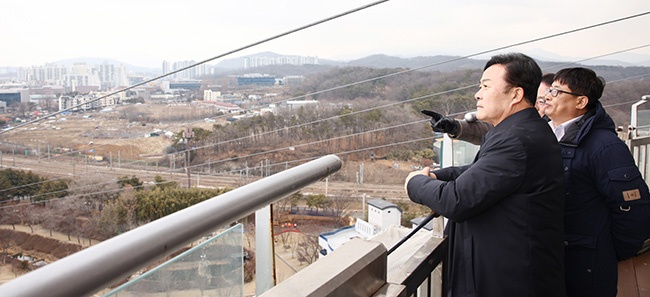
(144, 32)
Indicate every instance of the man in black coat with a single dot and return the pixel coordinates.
(505, 210)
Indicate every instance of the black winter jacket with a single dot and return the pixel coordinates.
(607, 215)
(505, 211)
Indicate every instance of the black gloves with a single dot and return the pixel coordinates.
(440, 123)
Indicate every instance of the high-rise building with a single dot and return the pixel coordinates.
(165, 67)
(111, 76)
(82, 75)
(50, 73)
(194, 72)
(251, 62)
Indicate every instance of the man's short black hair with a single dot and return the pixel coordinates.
(548, 78)
(583, 81)
(521, 71)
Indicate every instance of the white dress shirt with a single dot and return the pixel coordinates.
(560, 129)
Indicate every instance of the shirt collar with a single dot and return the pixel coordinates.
(560, 129)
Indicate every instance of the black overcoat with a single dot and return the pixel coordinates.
(505, 212)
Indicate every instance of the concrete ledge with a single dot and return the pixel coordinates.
(391, 290)
(358, 268)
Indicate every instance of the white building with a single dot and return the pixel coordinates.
(382, 215)
(210, 95)
(298, 103)
(251, 62)
(112, 76)
(82, 74)
(226, 107)
(189, 73)
(87, 102)
(50, 73)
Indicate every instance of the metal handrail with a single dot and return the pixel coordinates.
(433, 254)
(97, 267)
(420, 226)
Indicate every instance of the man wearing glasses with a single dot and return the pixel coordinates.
(607, 203)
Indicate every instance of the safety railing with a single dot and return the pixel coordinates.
(214, 267)
(102, 265)
(640, 149)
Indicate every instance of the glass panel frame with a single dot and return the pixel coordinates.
(214, 267)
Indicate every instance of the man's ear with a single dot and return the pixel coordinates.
(582, 102)
(517, 94)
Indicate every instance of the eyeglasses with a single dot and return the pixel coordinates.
(555, 92)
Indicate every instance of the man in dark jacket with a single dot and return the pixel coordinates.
(505, 210)
(607, 215)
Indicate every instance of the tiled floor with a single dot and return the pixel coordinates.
(634, 276)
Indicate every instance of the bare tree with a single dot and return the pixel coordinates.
(341, 206)
(94, 191)
(6, 241)
(9, 215)
(32, 215)
(307, 249)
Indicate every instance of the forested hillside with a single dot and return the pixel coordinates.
(366, 111)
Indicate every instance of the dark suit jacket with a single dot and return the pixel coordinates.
(505, 212)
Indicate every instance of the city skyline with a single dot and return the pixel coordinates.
(145, 33)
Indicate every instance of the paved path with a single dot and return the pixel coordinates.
(6, 273)
(85, 242)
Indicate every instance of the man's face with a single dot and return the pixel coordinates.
(563, 107)
(540, 104)
(493, 99)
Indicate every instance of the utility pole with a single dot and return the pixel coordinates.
(187, 135)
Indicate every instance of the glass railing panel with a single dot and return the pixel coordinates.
(214, 267)
(464, 152)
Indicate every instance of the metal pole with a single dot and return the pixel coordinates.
(264, 259)
(100, 266)
(447, 153)
(634, 124)
(187, 135)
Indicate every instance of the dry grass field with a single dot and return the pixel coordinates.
(121, 131)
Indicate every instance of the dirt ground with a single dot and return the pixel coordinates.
(117, 132)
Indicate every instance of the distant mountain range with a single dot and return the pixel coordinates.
(441, 62)
(374, 61)
(385, 61)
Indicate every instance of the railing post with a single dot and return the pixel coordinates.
(634, 118)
